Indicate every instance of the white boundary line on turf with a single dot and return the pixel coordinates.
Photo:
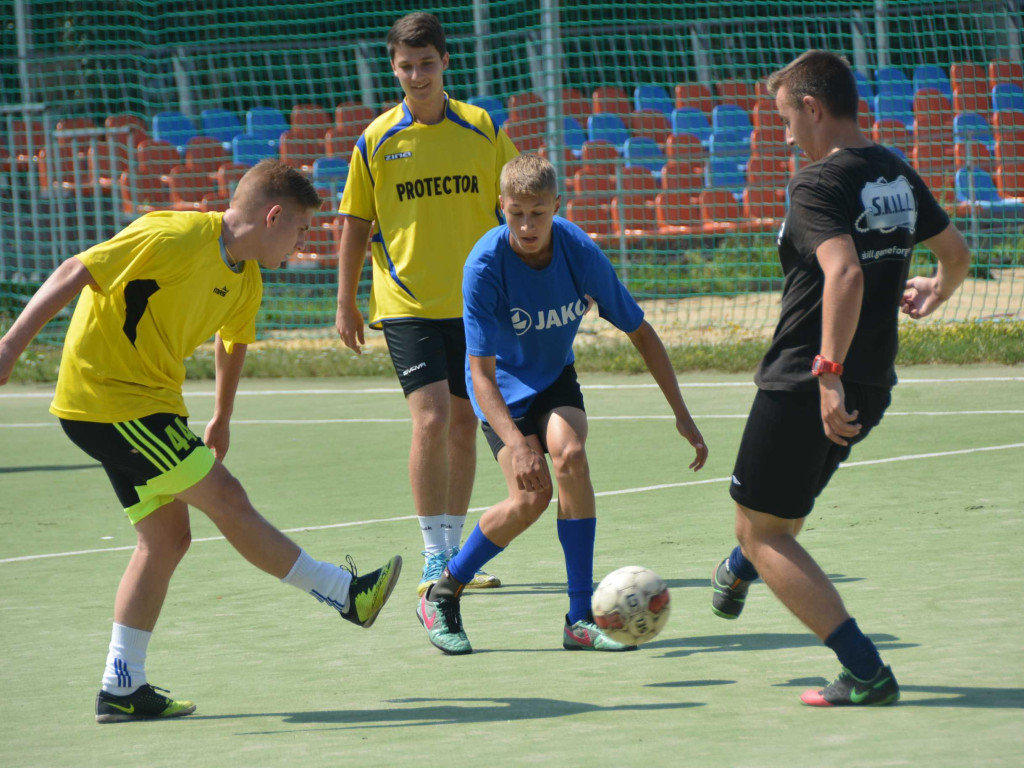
(624, 491)
(645, 417)
(396, 390)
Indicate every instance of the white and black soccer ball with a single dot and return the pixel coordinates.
(631, 605)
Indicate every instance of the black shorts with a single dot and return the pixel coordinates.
(148, 460)
(425, 351)
(565, 391)
(785, 461)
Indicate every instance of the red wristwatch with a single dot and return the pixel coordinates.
(823, 365)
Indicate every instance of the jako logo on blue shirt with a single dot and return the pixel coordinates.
(548, 318)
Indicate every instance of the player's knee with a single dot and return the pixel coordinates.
(570, 461)
(528, 507)
(227, 497)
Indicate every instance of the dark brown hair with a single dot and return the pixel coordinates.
(270, 180)
(824, 75)
(417, 30)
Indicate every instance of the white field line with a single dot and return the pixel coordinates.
(645, 417)
(397, 390)
(624, 491)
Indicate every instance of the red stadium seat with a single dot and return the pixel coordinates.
(766, 115)
(864, 120)
(204, 154)
(526, 107)
(591, 215)
(719, 212)
(933, 119)
(576, 105)
(694, 95)
(67, 169)
(228, 176)
(350, 120)
(639, 180)
(1010, 179)
(763, 210)
(188, 188)
(527, 135)
(158, 156)
(685, 148)
(738, 92)
(970, 88)
(144, 191)
(633, 215)
(611, 100)
(309, 121)
(107, 161)
(683, 177)
(891, 133)
(1009, 132)
(973, 154)
(27, 140)
(677, 213)
(299, 150)
(769, 142)
(126, 129)
(651, 124)
(1002, 71)
(595, 183)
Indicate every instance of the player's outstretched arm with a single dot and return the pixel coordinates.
(229, 372)
(648, 344)
(66, 282)
(351, 255)
(926, 294)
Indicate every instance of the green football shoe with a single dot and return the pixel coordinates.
(585, 635)
(443, 622)
(367, 594)
(848, 690)
(142, 704)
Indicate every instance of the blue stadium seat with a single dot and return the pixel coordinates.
(330, 173)
(607, 127)
(727, 117)
(864, 86)
(267, 123)
(493, 106)
(221, 125)
(249, 150)
(931, 76)
(728, 153)
(573, 135)
(653, 98)
(893, 106)
(644, 153)
(976, 187)
(692, 121)
(174, 128)
(892, 81)
(1007, 97)
(972, 127)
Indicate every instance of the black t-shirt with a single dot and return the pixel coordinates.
(875, 197)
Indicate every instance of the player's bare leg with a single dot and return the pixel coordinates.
(566, 432)
(163, 538)
(789, 571)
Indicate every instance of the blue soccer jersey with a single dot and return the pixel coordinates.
(528, 318)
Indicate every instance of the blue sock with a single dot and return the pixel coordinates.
(477, 550)
(855, 651)
(740, 566)
(577, 540)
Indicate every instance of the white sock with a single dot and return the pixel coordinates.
(327, 582)
(126, 660)
(435, 533)
(454, 525)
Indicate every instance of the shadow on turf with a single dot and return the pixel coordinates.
(447, 711)
(559, 587)
(49, 468)
(942, 695)
(758, 641)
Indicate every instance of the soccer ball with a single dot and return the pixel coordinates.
(631, 605)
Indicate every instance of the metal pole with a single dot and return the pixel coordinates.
(551, 46)
(881, 34)
(482, 32)
(21, 22)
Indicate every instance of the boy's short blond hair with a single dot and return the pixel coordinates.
(528, 175)
(271, 181)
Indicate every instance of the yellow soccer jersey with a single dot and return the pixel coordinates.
(433, 192)
(163, 290)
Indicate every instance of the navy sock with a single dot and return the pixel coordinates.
(740, 566)
(577, 540)
(477, 550)
(855, 651)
